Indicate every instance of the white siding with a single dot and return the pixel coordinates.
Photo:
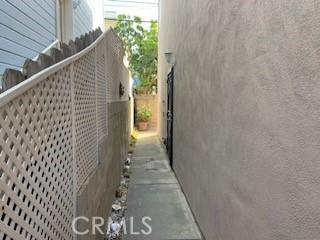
(26, 28)
(82, 18)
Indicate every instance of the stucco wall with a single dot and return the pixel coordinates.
(151, 102)
(247, 110)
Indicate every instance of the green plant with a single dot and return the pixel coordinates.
(132, 141)
(144, 114)
(141, 45)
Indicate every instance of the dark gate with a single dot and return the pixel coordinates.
(169, 141)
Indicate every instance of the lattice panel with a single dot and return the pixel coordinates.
(36, 169)
(113, 41)
(111, 75)
(101, 92)
(125, 78)
(114, 58)
(85, 119)
(42, 129)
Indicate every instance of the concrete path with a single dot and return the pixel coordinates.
(154, 192)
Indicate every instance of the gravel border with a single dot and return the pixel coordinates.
(114, 228)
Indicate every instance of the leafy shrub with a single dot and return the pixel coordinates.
(144, 114)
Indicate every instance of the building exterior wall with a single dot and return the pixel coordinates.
(26, 28)
(97, 7)
(30, 27)
(246, 119)
(72, 125)
(88, 15)
(82, 18)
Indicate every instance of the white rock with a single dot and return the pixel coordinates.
(116, 207)
(128, 162)
(115, 227)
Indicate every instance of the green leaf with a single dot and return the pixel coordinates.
(141, 47)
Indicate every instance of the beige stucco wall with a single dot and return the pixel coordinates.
(150, 101)
(247, 111)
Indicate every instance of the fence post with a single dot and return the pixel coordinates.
(11, 78)
(66, 51)
(73, 47)
(56, 55)
(78, 44)
(44, 61)
(30, 68)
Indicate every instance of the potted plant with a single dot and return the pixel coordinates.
(143, 116)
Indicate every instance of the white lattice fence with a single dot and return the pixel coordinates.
(50, 127)
(36, 168)
(85, 118)
(101, 91)
(116, 72)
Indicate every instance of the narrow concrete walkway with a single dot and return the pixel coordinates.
(155, 192)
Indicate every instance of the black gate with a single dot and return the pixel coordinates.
(169, 141)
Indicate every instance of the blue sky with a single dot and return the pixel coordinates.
(146, 9)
